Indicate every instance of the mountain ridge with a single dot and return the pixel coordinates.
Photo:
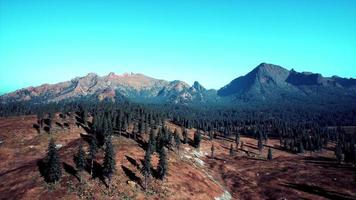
(265, 83)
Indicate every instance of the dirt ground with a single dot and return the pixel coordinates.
(22, 147)
(249, 175)
(192, 174)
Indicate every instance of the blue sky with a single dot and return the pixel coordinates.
(205, 40)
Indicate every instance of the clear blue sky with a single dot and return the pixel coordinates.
(212, 41)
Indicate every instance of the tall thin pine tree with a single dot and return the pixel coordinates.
(162, 164)
(109, 165)
(79, 160)
(53, 171)
(146, 169)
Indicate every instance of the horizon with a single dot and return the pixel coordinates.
(212, 43)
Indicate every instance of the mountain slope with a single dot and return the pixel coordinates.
(274, 84)
(136, 87)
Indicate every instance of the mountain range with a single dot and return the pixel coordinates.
(266, 83)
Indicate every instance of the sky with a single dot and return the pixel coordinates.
(211, 41)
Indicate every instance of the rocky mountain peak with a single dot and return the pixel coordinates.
(198, 87)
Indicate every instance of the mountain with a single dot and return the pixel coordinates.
(275, 84)
(135, 87)
(265, 84)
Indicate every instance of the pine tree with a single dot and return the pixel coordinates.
(160, 141)
(152, 143)
(212, 151)
(53, 171)
(79, 160)
(269, 156)
(142, 127)
(40, 121)
(85, 116)
(232, 153)
(185, 136)
(177, 140)
(237, 141)
(162, 167)
(93, 148)
(301, 148)
(260, 144)
(146, 169)
(109, 165)
(135, 131)
(211, 135)
(197, 139)
(338, 152)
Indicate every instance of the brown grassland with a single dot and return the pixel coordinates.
(192, 174)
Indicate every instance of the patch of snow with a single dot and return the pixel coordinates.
(225, 196)
(58, 146)
(31, 146)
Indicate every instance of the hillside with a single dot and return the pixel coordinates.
(246, 175)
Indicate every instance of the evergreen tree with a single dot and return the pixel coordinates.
(85, 116)
(135, 131)
(40, 121)
(50, 119)
(260, 144)
(301, 147)
(93, 148)
(185, 136)
(232, 153)
(79, 160)
(211, 135)
(152, 141)
(269, 156)
(142, 127)
(177, 140)
(53, 171)
(237, 141)
(338, 152)
(197, 139)
(162, 164)
(212, 151)
(109, 165)
(146, 169)
(160, 141)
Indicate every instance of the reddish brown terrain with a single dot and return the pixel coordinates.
(192, 174)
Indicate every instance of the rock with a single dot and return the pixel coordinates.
(200, 162)
(58, 146)
(131, 184)
(225, 196)
(197, 154)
